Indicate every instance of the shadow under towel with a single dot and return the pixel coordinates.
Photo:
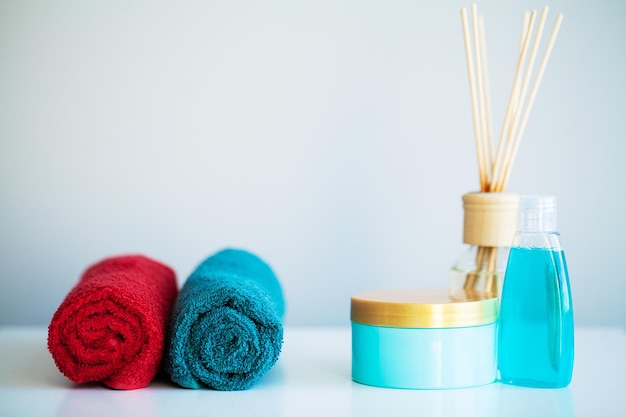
(226, 329)
(111, 327)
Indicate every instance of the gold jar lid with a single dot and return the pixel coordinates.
(418, 308)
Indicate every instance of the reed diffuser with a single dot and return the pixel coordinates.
(490, 214)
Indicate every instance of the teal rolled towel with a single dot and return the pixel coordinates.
(226, 328)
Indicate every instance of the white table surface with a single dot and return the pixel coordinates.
(311, 378)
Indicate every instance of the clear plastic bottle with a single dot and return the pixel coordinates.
(536, 333)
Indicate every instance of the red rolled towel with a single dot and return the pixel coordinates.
(111, 327)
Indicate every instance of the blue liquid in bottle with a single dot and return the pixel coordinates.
(536, 329)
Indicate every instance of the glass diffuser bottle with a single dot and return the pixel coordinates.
(489, 224)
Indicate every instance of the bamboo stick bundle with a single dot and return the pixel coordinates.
(495, 165)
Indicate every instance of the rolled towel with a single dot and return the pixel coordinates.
(226, 329)
(111, 327)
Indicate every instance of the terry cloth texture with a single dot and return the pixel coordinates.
(226, 329)
(112, 325)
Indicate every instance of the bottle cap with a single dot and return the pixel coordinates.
(490, 219)
(537, 213)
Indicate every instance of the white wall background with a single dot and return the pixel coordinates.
(331, 137)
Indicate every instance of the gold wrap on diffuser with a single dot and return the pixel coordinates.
(413, 308)
(490, 218)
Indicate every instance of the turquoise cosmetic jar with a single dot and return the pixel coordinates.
(424, 339)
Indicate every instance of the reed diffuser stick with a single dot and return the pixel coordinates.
(512, 131)
(488, 131)
(512, 106)
(473, 96)
(533, 94)
(491, 281)
(480, 96)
